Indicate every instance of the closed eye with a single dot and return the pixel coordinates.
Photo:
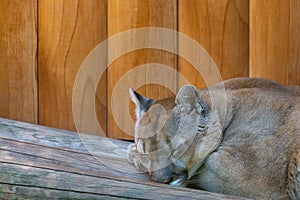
(202, 128)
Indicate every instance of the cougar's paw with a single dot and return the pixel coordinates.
(131, 153)
(140, 161)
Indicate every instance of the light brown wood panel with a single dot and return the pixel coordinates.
(294, 69)
(126, 15)
(18, 60)
(269, 41)
(68, 31)
(221, 27)
(274, 41)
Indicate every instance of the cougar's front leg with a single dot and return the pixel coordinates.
(293, 177)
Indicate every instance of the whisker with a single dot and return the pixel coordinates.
(198, 172)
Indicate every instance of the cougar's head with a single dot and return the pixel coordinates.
(173, 136)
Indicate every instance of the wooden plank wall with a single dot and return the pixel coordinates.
(125, 15)
(222, 28)
(18, 60)
(275, 41)
(68, 31)
(43, 43)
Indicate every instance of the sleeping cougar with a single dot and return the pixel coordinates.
(250, 151)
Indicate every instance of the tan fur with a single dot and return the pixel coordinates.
(293, 182)
(250, 150)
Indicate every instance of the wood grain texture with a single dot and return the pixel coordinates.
(9, 191)
(68, 31)
(274, 41)
(221, 27)
(294, 69)
(126, 15)
(61, 184)
(45, 167)
(18, 60)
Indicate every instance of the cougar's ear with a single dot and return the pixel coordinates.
(189, 96)
(142, 103)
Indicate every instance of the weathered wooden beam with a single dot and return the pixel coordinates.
(23, 192)
(44, 163)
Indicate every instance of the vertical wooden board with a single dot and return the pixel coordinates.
(269, 39)
(68, 31)
(126, 15)
(221, 28)
(294, 67)
(18, 60)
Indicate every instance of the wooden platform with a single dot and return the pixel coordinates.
(44, 163)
